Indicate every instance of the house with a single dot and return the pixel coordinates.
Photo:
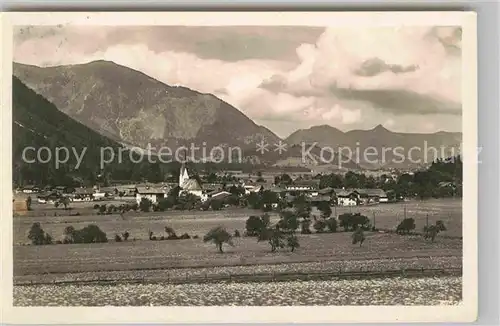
(360, 196)
(217, 195)
(30, 189)
(19, 204)
(154, 194)
(83, 194)
(319, 199)
(48, 197)
(347, 197)
(370, 196)
(252, 188)
(303, 185)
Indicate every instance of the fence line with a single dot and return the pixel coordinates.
(262, 277)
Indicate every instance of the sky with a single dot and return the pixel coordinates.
(407, 79)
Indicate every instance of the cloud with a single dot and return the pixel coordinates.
(285, 78)
(375, 66)
(208, 42)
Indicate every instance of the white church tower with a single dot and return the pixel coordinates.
(183, 175)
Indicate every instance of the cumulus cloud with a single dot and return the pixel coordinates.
(285, 78)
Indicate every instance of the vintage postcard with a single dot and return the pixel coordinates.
(239, 167)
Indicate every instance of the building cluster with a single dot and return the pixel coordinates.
(286, 191)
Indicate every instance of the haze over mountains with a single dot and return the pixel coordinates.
(133, 108)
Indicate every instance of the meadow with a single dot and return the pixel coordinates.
(138, 224)
(139, 253)
(390, 291)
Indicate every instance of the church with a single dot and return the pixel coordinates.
(189, 185)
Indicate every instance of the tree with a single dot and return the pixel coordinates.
(350, 221)
(358, 236)
(274, 236)
(125, 236)
(69, 234)
(165, 203)
(331, 224)
(319, 225)
(254, 200)
(102, 209)
(430, 232)
(216, 205)
(38, 236)
(62, 201)
(406, 226)
(305, 225)
(170, 233)
(325, 209)
(218, 236)
(292, 242)
(187, 201)
(288, 221)
(145, 204)
(28, 203)
(255, 224)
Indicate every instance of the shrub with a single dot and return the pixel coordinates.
(125, 236)
(97, 206)
(350, 221)
(185, 236)
(118, 238)
(38, 236)
(89, 234)
(102, 209)
(305, 225)
(196, 237)
(93, 234)
(406, 226)
(145, 205)
(236, 234)
(319, 225)
(358, 236)
(292, 242)
(274, 236)
(165, 204)
(331, 224)
(216, 205)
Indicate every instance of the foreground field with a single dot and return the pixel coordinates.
(145, 254)
(249, 272)
(394, 291)
(387, 216)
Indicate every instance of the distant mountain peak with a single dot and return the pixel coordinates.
(380, 127)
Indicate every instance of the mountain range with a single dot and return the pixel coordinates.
(132, 108)
(38, 123)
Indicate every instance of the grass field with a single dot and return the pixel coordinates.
(143, 254)
(387, 216)
(396, 291)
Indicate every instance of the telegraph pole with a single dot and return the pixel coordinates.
(374, 227)
(427, 220)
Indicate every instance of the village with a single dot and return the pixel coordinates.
(206, 192)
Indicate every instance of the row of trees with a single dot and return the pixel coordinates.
(422, 184)
(89, 234)
(407, 225)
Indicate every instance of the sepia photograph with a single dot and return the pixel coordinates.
(242, 159)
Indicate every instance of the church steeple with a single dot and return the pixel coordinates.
(183, 174)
